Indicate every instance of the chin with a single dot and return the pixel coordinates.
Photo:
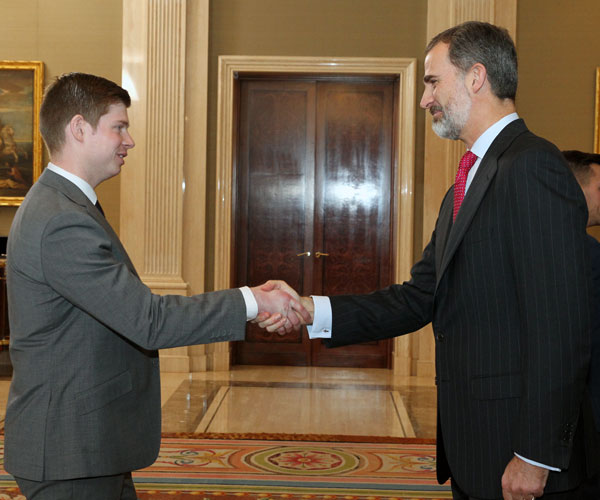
(113, 173)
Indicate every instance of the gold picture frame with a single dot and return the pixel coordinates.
(597, 114)
(21, 89)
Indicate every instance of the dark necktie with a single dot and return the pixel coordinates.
(466, 162)
(99, 207)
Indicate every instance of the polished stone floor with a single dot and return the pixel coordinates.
(300, 400)
(295, 400)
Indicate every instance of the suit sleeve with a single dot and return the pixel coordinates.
(393, 311)
(545, 226)
(79, 262)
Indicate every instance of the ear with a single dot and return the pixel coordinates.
(477, 77)
(76, 127)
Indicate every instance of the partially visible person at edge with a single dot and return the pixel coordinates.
(84, 403)
(503, 281)
(586, 167)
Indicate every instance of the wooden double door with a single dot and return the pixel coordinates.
(313, 203)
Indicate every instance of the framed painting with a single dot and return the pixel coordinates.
(21, 88)
(597, 114)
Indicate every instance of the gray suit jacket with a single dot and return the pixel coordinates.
(506, 289)
(85, 395)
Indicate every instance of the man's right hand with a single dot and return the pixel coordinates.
(523, 480)
(280, 307)
(274, 322)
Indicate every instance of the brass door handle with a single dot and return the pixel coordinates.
(321, 254)
(303, 254)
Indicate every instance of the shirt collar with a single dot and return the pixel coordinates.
(78, 181)
(483, 143)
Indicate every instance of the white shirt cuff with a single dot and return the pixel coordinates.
(251, 304)
(322, 320)
(537, 463)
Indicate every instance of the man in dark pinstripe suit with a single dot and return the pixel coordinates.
(586, 167)
(504, 284)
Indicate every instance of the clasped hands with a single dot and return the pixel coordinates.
(280, 308)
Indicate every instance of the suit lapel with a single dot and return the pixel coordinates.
(444, 227)
(485, 173)
(77, 196)
(95, 213)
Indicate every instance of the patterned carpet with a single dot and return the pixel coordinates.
(227, 469)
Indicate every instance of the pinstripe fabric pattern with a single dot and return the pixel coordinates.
(506, 289)
(594, 377)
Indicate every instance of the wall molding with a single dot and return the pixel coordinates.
(230, 67)
(163, 185)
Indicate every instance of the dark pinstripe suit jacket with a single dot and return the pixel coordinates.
(507, 291)
(594, 377)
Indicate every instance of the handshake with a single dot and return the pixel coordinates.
(280, 308)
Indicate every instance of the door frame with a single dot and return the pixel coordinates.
(230, 67)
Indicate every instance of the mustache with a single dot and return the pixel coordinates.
(435, 109)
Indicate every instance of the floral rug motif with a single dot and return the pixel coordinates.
(225, 469)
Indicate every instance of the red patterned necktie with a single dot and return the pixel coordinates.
(466, 162)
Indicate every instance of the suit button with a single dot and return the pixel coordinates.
(440, 337)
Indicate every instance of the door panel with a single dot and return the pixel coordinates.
(313, 173)
(275, 197)
(352, 213)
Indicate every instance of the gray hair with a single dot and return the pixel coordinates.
(477, 42)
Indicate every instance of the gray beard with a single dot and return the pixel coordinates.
(447, 129)
(454, 118)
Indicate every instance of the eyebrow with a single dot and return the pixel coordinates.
(428, 78)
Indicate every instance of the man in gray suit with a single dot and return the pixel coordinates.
(84, 403)
(503, 282)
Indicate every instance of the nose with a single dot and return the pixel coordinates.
(128, 141)
(426, 99)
